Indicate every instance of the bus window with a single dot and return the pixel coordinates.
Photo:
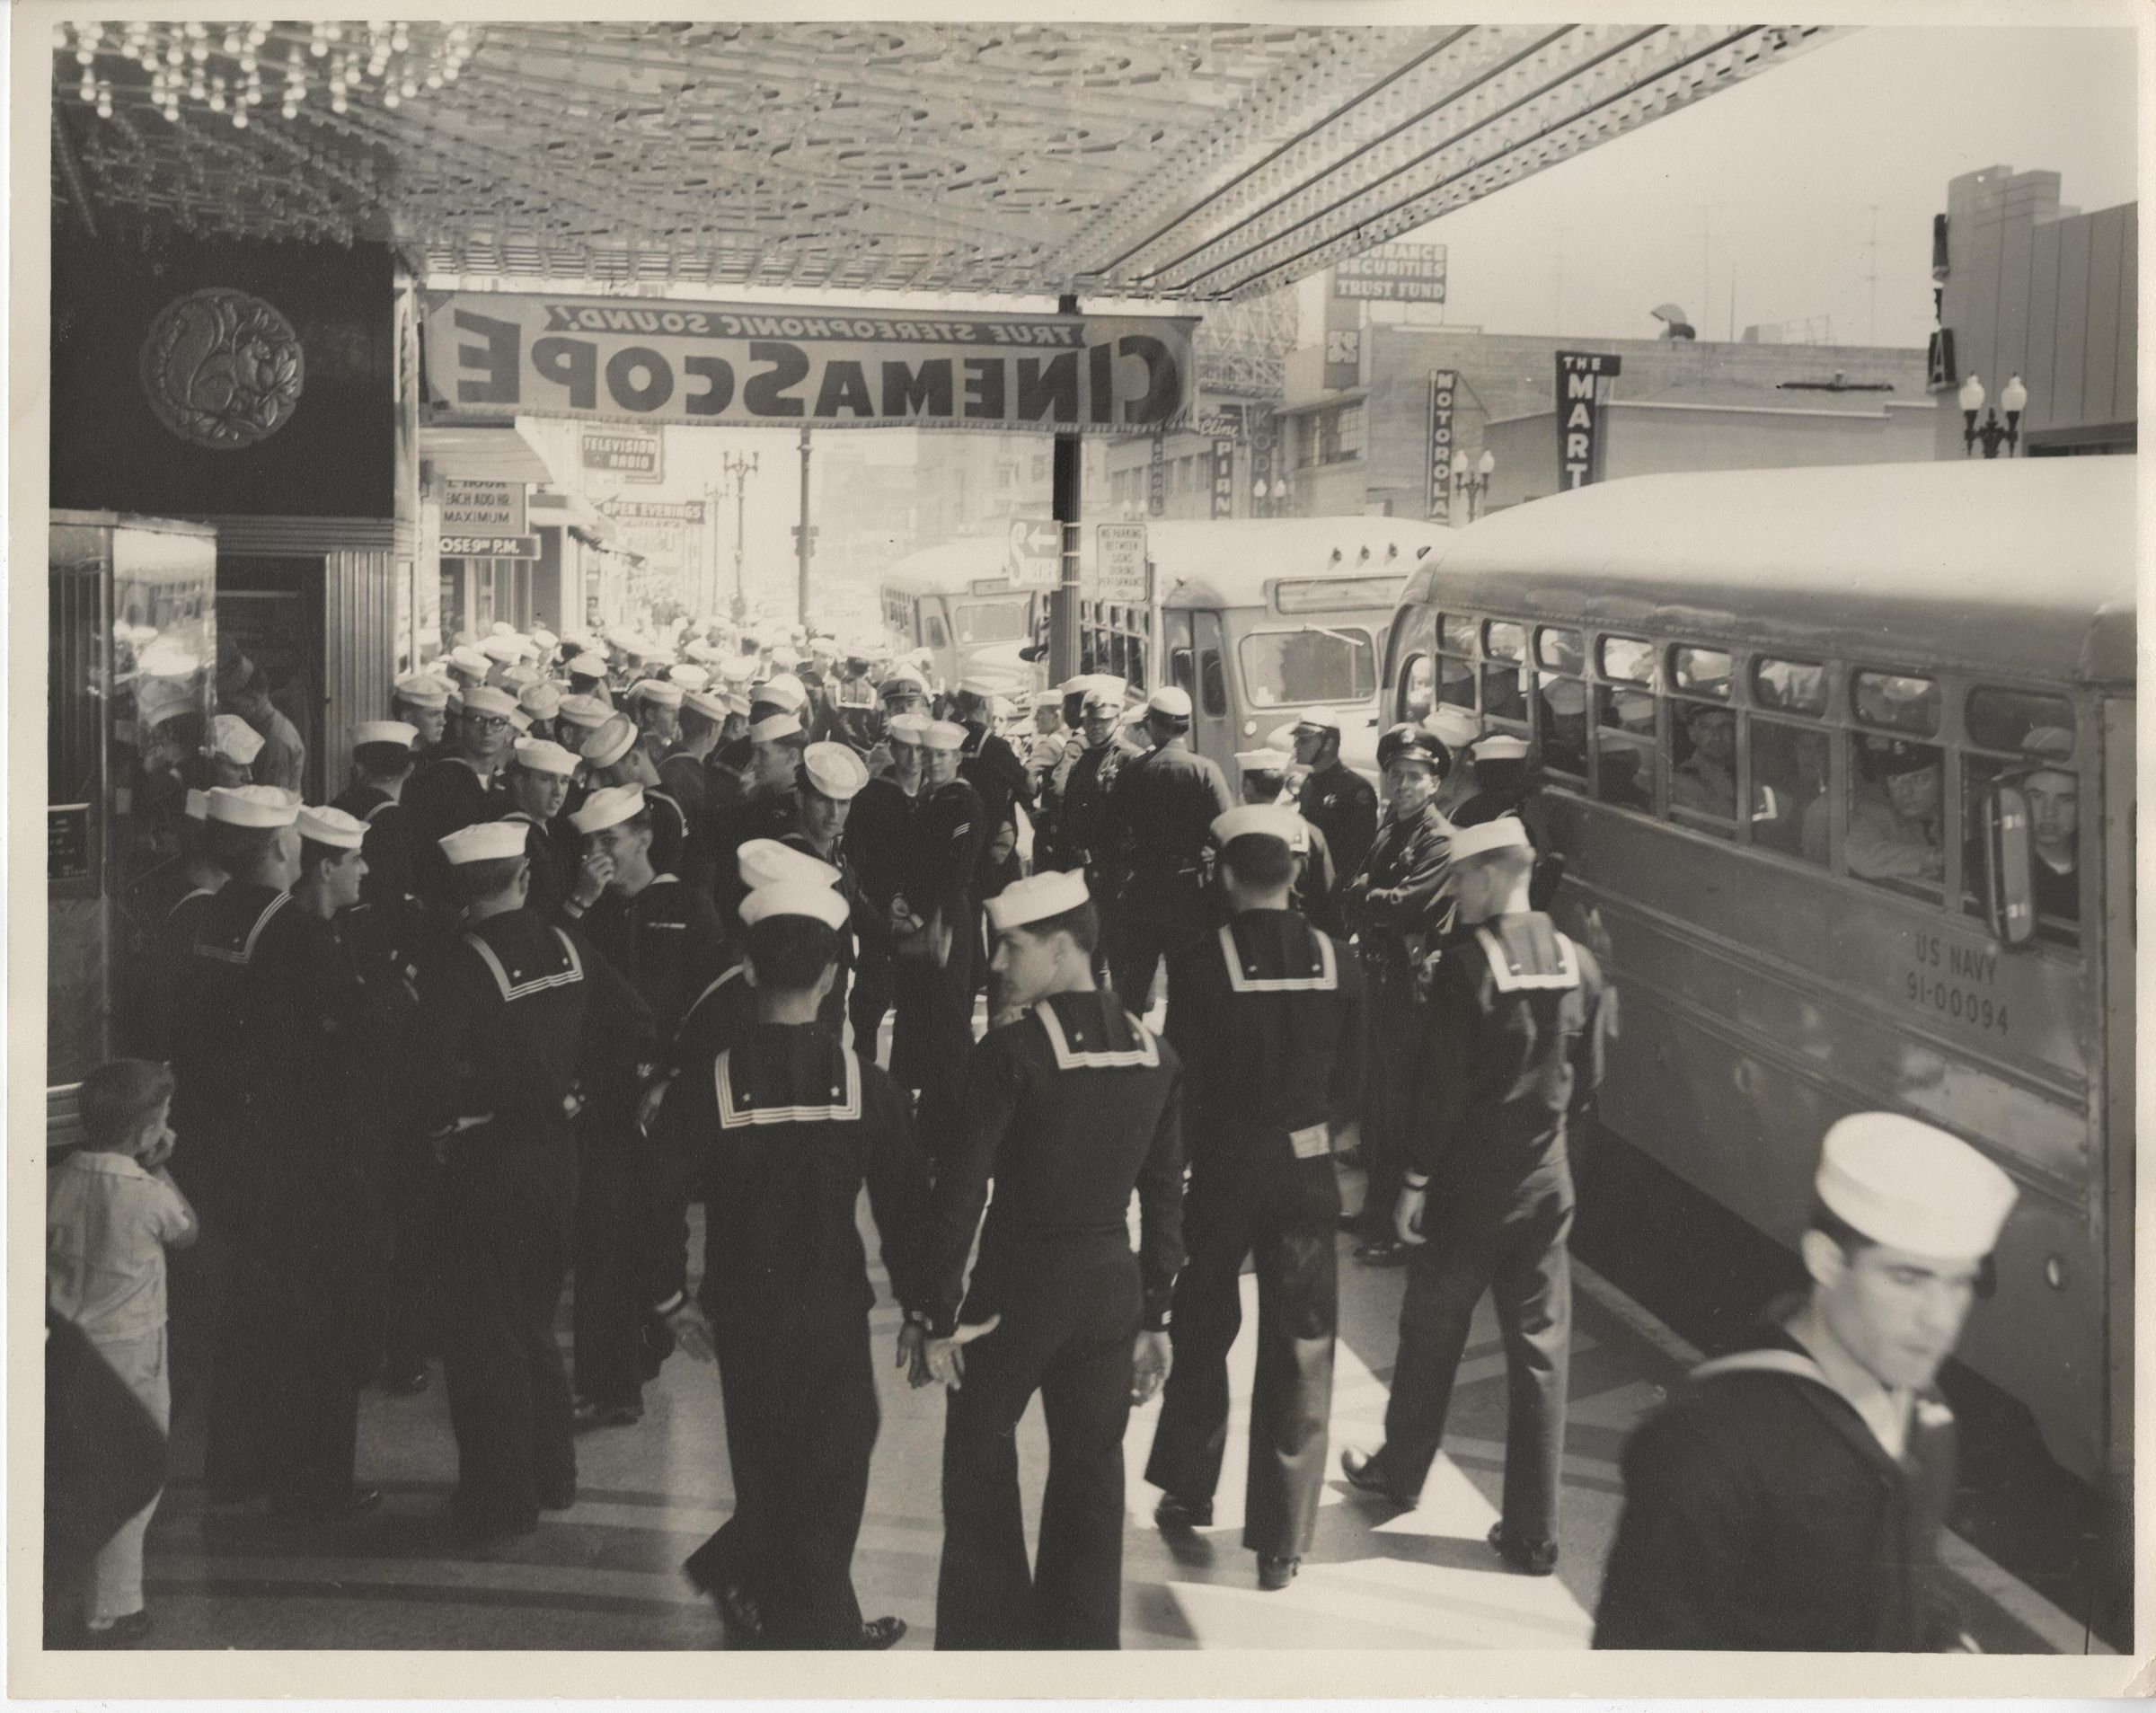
(1285, 668)
(1703, 760)
(990, 621)
(1455, 664)
(937, 639)
(1502, 698)
(1562, 693)
(1792, 686)
(1625, 748)
(1630, 658)
(2036, 732)
(2014, 720)
(1896, 702)
(1791, 779)
(1180, 670)
(1896, 796)
(1418, 688)
(1213, 695)
(1700, 672)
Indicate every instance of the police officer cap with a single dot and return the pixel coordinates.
(1910, 1187)
(586, 665)
(542, 701)
(1891, 756)
(1501, 747)
(1456, 728)
(769, 862)
(689, 677)
(486, 842)
(539, 756)
(420, 691)
(774, 728)
(489, 698)
(1414, 743)
(836, 771)
(1319, 720)
(587, 711)
(907, 728)
(1169, 703)
(611, 742)
(795, 898)
(1036, 898)
(233, 738)
(657, 691)
(384, 731)
(944, 734)
(331, 826)
(252, 805)
(609, 806)
(903, 681)
(1259, 820)
(1505, 833)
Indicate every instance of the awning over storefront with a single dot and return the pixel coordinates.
(480, 454)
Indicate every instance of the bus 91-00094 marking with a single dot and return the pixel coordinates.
(1955, 981)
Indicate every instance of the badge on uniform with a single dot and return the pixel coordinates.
(1314, 1141)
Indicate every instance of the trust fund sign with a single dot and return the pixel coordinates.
(494, 356)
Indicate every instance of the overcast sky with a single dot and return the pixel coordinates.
(1780, 177)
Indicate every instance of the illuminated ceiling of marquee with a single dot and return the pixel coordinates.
(1181, 160)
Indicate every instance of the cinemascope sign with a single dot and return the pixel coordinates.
(494, 356)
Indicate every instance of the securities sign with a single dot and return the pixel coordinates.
(1392, 273)
(494, 356)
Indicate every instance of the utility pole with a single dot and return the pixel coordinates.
(1063, 603)
(805, 545)
(1871, 277)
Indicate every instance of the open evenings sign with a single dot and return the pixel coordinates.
(491, 357)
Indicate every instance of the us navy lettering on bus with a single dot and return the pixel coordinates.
(1952, 980)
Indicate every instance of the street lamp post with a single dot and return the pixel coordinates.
(2013, 399)
(1472, 482)
(739, 470)
(1271, 496)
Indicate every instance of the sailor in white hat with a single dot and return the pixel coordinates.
(656, 705)
(233, 745)
(1791, 1496)
(1086, 1111)
(422, 701)
(613, 756)
(383, 755)
(456, 790)
(1316, 893)
(1268, 1021)
(990, 765)
(2052, 787)
(587, 676)
(1511, 1053)
(1335, 798)
(1081, 783)
(934, 939)
(685, 775)
(667, 939)
(536, 787)
(776, 1130)
(831, 778)
(1159, 814)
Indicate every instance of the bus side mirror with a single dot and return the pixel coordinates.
(2010, 899)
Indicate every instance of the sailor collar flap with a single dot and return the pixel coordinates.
(1513, 974)
(738, 1107)
(1076, 1049)
(236, 945)
(519, 983)
(1243, 977)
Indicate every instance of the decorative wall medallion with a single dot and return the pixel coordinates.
(222, 369)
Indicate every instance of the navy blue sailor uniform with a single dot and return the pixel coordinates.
(442, 797)
(775, 1135)
(935, 998)
(1762, 1513)
(1160, 815)
(518, 1012)
(667, 943)
(874, 843)
(1266, 1016)
(862, 920)
(1067, 1108)
(1513, 1045)
(1342, 805)
(551, 859)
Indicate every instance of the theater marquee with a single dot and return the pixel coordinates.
(495, 356)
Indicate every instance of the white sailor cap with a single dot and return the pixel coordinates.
(252, 805)
(502, 628)
(1076, 686)
(233, 738)
(1565, 696)
(198, 805)
(1318, 720)
(783, 690)
(903, 679)
(700, 651)
(422, 691)
(520, 719)
(978, 687)
(795, 898)
(774, 728)
(1910, 1187)
(542, 701)
(608, 807)
(835, 771)
(944, 734)
(1452, 725)
(327, 825)
(1169, 702)
(737, 668)
(907, 728)
(1501, 747)
(611, 742)
(769, 862)
(484, 841)
(714, 705)
(1264, 761)
(384, 731)
(657, 691)
(537, 756)
(545, 639)
(1259, 820)
(517, 679)
(587, 711)
(689, 677)
(470, 661)
(785, 655)
(506, 649)
(1037, 897)
(586, 665)
(489, 698)
(1507, 833)
(1105, 693)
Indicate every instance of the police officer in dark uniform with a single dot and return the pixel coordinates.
(776, 1136)
(989, 765)
(1512, 1050)
(457, 791)
(1081, 815)
(536, 789)
(685, 775)
(1335, 798)
(1068, 1107)
(1397, 909)
(1790, 1495)
(1316, 889)
(1267, 1019)
(1159, 814)
(519, 1009)
(666, 940)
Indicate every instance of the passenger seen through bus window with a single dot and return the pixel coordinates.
(1791, 767)
(2047, 780)
(1625, 744)
(1564, 717)
(1704, 780)
(1894, 818)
